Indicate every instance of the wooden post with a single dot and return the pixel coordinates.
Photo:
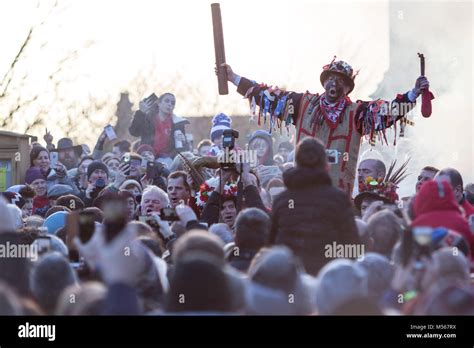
(219, 48)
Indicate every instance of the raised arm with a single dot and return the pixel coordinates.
(377, 115)
(279, 105)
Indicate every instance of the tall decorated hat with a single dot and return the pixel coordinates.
(382, 189)
(340, 68)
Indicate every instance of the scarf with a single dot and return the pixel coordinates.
(333, 111)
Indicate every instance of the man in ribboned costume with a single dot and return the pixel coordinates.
(331, 116)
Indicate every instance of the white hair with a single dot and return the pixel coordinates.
(165, 201)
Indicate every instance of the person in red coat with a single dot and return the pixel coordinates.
(435, 205)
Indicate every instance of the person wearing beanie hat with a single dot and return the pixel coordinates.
(14, 198)
(37, 181)
(57, 191)
(97, 179)
(332, 115)
(220, 122)
(320, 213)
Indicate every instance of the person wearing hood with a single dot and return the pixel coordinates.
(435, 205)
(311, 213)
(261, 142)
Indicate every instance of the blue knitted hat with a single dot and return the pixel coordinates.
(220, 122)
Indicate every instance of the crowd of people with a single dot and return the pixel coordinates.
(160, 226)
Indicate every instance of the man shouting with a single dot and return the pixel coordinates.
(331, 116)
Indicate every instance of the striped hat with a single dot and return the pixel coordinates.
(220, 122)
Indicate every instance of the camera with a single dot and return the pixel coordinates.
(228, 144)
(333, 156)
(228, 138)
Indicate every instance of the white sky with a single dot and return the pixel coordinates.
(176, 36)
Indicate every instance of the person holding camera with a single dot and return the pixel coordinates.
(157, 125)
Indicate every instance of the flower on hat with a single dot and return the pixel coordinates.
(206, 189)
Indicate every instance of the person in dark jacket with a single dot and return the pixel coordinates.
(311, 213)
(157, 126)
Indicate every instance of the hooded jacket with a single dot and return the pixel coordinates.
(311, 214)
(436, 206)
(268, 160)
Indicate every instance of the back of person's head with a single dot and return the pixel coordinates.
(358, 306)
(451, 300)
(311, 153)
(27, 192)
(339, 281)
(16, 214)
(7, 217)
(49, 277)
(222, 231)
(449, 265)
(34, 221)
(361, 228)
(153, 244)
(56, 243)
(200, 242)
(96, 212)
(89, 299)
(9, 302)
(252, 227)
(71, 202)
(142, 229)
(379, 272)
(384, 229)
(454, 177)
(275, 268)
(55, 209)
(199, 284)
(277, 285)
